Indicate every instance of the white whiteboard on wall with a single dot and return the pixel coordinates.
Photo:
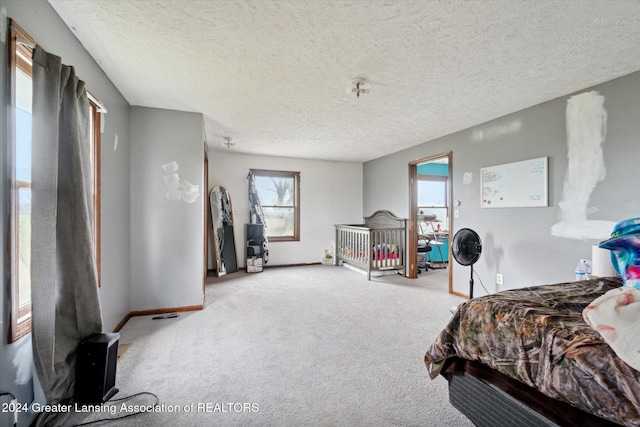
(515, 185)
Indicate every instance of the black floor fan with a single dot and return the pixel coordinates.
(466, 248)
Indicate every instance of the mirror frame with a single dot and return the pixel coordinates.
(221, 220)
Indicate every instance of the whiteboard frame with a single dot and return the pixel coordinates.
(544, 183)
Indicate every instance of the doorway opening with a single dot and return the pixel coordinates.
(430, 219)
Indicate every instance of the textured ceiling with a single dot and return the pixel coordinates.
(273, 75)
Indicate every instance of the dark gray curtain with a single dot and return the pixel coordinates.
(64, 288)
(256, 216)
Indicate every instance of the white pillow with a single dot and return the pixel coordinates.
(616, 316)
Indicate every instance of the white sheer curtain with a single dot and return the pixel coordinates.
(64, 288)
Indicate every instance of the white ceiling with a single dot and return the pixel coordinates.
(273, 75)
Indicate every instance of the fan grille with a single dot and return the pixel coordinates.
(466, 246)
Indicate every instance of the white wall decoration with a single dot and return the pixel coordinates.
(178, 189)
(467, 178)
(586, 121)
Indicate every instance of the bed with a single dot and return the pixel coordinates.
(378, 245)
(528, 357)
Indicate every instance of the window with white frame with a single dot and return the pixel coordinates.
(432, 198)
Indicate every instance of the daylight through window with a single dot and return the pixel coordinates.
(279, 193)
(432, 198)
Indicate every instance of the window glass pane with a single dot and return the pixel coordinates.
(432, 193)
(280, 221)
(24, 245)
(275, 191)
(23, 185)
(23, 127)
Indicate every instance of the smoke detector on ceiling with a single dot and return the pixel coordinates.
(357, 87)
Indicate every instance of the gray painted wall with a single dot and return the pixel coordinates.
(167, 237)
(517, 241)
(44, 25)
(330, 193)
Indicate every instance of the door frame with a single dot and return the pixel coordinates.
(207, 212)
(412, 238)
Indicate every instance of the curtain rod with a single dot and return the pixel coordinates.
(25, 43)
(32, 45)
(101, 107)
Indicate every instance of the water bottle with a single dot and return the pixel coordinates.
(581, 273)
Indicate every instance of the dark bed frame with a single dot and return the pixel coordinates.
(489, 398)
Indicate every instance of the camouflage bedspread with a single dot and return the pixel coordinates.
(537, 335)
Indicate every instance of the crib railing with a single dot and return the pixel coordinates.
(387, 248)
(370, 249)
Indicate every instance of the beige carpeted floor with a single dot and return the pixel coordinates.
(300, 346)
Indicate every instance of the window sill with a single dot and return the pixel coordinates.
(283, 239)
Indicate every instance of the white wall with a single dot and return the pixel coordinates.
(518, 242)
(167, 237)
(39, 20)
(330, 193)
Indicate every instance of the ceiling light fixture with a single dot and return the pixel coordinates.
(227, 142)
(357, 88)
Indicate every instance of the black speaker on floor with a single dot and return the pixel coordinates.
(96, 363)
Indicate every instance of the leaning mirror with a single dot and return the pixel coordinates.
(224, 246)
